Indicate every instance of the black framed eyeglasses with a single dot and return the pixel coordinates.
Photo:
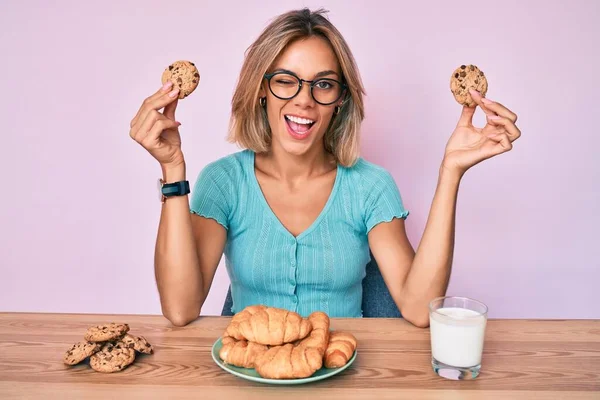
(285, 85)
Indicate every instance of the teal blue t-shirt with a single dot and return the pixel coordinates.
(319, 270)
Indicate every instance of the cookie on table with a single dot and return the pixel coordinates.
(464, 78)
(80, 351)
(113, 357)
(104, 333)
(184, 76)
(138, 343)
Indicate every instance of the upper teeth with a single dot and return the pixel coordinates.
(299, 120)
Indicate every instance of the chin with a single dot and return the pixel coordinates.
(296, 149)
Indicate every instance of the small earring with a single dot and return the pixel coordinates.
(263, 101)
(336, 110)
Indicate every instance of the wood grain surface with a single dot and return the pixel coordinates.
(523, 359)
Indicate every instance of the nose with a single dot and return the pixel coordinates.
(304, 98)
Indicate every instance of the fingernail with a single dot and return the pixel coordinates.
(475, 92)
(486, 101)
(167, 85)
(494, 117)
(174, 92)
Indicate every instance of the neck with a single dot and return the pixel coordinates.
(293, 168)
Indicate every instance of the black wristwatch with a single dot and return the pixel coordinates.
(166, 190)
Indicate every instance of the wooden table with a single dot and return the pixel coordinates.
(523, 359)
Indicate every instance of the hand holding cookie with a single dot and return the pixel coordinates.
(158, 132)
(468, 144)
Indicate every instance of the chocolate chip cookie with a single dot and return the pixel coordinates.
(80, 351)
(103, 333)
(112, 358)
(138, 343)
(184, 76)
(464, 78)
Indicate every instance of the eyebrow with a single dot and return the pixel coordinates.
(318, 75)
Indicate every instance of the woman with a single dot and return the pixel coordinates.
(297, 211)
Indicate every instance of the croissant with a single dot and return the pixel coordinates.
(268, 325)
(297, 361)
(288, 362)
(319, 336)
(240, 353)
(340, 349)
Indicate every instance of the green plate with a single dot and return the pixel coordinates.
(251, 374)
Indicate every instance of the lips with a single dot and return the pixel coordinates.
(299, 127)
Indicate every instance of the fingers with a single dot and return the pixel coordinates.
(143, 126)
(466, 117)
(492, 130)
(157, 101)
(511, 129)
(151, 138)
(164, 89)
(479, 100)
(500, 110)
(170, 108)
(150, 129)
(492, 107)
(503, 143)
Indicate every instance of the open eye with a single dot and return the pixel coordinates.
(323, 85)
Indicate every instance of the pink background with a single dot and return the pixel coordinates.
(79, 209)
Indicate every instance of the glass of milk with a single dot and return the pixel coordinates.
(457, 327)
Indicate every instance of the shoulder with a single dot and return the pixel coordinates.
(379, 197)
(227, 169)
(215, 193)
(369, 175)
(231, 163)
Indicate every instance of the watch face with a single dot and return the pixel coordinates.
(159, 184)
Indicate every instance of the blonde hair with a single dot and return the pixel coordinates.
(249, 126)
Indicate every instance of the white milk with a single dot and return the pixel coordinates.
(457, 340)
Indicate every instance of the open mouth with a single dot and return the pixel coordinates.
(299, 126)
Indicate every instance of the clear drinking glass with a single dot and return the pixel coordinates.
(457, 327)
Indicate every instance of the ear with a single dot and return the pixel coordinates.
(262, 92)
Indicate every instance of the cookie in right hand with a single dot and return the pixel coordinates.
(464, 78)
(184, 76)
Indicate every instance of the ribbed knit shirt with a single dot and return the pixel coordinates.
(322, 268)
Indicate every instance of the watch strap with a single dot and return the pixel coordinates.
(175, 188)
